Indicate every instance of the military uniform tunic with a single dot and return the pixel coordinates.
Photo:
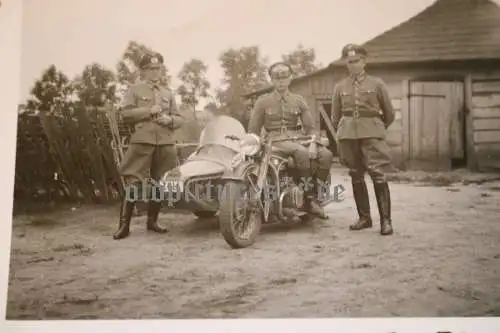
(362, 112)
(361, 108)
(152, 149)
(279, 116)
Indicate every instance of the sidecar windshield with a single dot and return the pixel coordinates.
(218, 128)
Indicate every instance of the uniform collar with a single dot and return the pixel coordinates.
(285, 94)
(359, 78)
(153, 84)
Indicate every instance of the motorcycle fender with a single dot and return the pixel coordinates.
(237, 175)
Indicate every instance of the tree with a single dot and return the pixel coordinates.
(302, 60)
(52, 92)
(95, 85)
(245, 70)
(195, 84)
(127, 67)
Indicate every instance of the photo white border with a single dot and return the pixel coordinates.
(11, 42)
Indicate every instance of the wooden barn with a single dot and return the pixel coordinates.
(442, 67)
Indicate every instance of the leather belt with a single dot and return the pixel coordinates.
(277, 134)
(361, 114)
(283, 129)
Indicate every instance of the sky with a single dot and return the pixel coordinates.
(72, 34)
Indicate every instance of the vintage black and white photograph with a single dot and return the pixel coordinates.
(256, 159)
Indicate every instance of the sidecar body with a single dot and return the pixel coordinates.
(196, 184)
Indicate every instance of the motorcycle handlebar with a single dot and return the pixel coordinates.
(294, 138)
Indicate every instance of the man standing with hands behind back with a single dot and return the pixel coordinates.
(152, 110)
(362, 112)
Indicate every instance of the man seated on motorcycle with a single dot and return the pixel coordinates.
(279, 112)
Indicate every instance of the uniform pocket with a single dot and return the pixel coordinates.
(379, 125)
(367, 91)
(345, 98)
(369, 96)
(295, 110)
(270, 112)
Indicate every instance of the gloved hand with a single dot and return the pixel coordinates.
(155, 109)
(164, 120)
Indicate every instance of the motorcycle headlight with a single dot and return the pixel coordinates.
(250, 144)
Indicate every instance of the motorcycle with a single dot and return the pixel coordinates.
(247, 181)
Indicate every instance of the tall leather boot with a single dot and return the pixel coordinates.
(154, 208)
(126, 212)
(304, 180)
(383, 196)
(320, 180)
(362, 200)
(300, 178)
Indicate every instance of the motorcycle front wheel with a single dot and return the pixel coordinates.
(239, 222)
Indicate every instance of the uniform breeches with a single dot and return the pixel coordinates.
(299, 152)
(321, 165)
(366, 155)
(325, 159)
(143, 161)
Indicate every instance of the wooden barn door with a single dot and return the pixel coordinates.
(436, 124)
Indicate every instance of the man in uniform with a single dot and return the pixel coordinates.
(152, 110)
(279, 112)
(362, 112)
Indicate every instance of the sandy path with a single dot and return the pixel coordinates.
(444, 260)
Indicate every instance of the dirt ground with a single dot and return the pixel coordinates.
(443, 260)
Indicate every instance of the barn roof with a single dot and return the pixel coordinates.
(446, 30)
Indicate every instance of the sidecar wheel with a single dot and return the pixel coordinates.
(239, 224)
(204, 214)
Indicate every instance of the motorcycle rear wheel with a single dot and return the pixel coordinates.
(238, 232)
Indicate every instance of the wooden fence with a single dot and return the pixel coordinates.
(74, 156)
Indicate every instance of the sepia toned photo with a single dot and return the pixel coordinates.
(251, 159)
